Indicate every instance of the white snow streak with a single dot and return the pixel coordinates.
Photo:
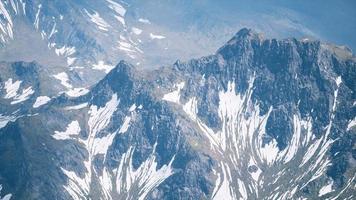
(65, 51)
(6, 25)
(99, 118)
(338, 81)
(77, 187)
(222, 188)
(6, 119)
(76, 107)
(241, 141)
(191, 108)
(125, 125)
(117, 7)
(11, 88)
(53, 31)
(130, 183)
(26, 93)
(154, 36)
(98, 21)
(119, 10)
(145, 178)
(37, 19)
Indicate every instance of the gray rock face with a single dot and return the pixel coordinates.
(260, 119)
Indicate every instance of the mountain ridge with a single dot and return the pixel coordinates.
(237, 124)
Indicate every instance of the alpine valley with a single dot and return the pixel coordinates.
(258, 119)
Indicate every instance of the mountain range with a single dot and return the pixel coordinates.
(259, 118)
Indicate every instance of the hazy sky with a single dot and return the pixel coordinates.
(329, 20)
(333, 21)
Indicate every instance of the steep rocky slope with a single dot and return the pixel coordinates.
(260, 119)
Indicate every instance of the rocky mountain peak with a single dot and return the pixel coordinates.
(260, 118)
(246, 33)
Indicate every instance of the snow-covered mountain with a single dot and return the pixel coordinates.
(259, 119)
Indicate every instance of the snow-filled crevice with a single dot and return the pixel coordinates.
(251, 168)
(123, 181)
(99, 118)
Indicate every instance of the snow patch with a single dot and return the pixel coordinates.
(41, 100)
(132, 108)
(63, 77)
(26, 93)
(145, 21)
(102, 66)
(11, 88)
(73, 129)
(136, 31)
(270, 151)
(65, 51)
(71, 60)
(326, 189)
(102, 144)
(77, 92)
(175, 95)
(338, 81)
(351, 124)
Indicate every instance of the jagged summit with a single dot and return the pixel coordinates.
(247, 33)
(123, 67)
